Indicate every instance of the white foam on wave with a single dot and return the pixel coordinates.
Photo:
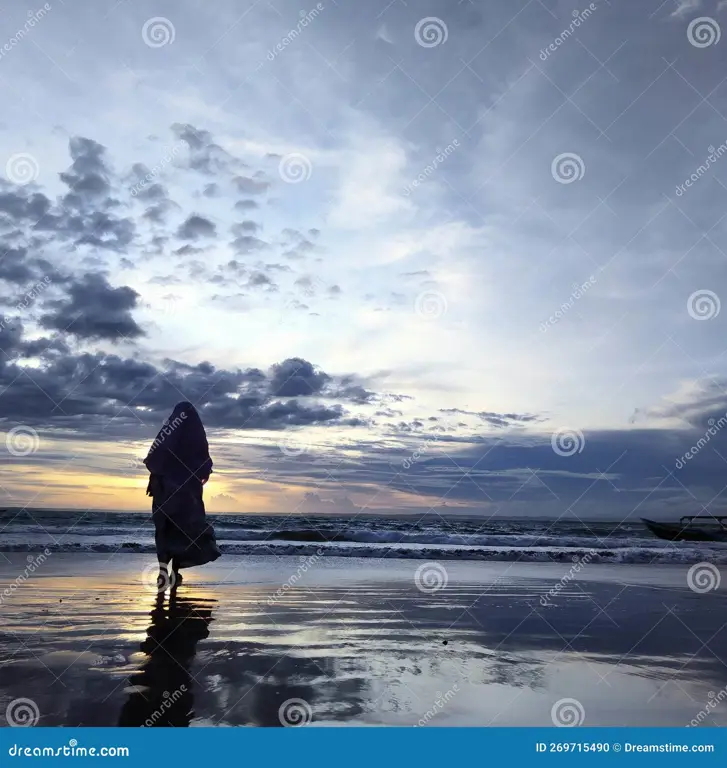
(673, 553)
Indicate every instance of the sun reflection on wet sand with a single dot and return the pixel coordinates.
(226, 648)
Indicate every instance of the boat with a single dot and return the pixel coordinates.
(690, 528)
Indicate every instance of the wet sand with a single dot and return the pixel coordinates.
(357, 642)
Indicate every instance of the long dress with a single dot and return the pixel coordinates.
(179, 463)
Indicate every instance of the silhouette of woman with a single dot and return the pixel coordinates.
(163, 686)
(180, 464)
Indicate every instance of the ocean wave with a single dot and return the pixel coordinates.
(559, 554)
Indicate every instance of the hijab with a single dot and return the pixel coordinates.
(180, 450)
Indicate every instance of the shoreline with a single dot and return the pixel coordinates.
(361, 642)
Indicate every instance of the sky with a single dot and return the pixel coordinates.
(461, 257)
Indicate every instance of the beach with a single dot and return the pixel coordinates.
(269, 641)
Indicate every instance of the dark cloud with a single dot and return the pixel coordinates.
(244, 227)
(245, 244)
(93, 309)
(251, 186)
(261, 280)
(497, 419)
(196, 226)
(296, 377)
(246, 205)
(88, 177)
(101, 391)
(205, 155)
(211, 190)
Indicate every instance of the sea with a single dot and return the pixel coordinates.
(432, 537)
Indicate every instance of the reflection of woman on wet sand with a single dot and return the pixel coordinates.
(162, 694)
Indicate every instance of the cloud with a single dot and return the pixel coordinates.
(93, 309)
(196, 226)
(248, 186)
